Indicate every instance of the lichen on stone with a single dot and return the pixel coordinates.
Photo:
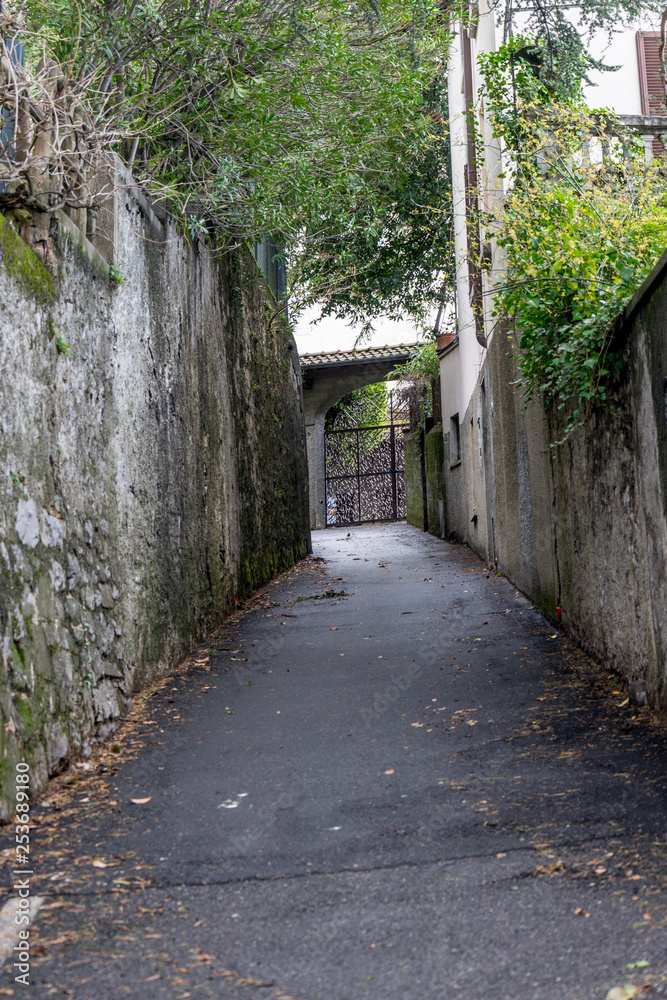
(23, 265)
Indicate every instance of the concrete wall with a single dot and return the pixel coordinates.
(150, 475)
(416, 509)
(582, 526)
(434, 472)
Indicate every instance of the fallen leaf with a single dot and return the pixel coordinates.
(599, 871)
(579, 912)
(333, 628)
(390, 771)
(100, 864)
(622, 993)
(624, 703)
(141, 802)
(471, 722)
(416, 725)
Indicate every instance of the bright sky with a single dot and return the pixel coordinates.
(336, 335)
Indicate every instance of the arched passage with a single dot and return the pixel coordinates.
(327, 378)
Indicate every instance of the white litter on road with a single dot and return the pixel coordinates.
(9, 929)
(233, 803)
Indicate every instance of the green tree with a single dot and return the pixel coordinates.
(258, 116)
(392, 255)
(561, 33)
(361, 407)
(578, 233)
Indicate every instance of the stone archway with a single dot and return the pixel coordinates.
(327, 377)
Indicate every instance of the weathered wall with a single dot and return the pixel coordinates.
(424, 476)
(148, 478)
(582, 526)
(414, 481)
(434, 470)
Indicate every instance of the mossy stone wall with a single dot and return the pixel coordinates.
(581, 527)
(152, 470)
(434, 459)
(414, 484)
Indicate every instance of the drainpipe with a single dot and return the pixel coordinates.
(472, 196)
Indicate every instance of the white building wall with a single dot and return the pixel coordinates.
(470, 485)
(461, 364)
(619, 91)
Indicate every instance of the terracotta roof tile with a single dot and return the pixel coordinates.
(361, 354)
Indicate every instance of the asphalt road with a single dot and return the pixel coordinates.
(413, 790)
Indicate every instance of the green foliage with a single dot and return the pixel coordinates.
(423, 366)
(562, 40)
(116, 276)
(521, 80)
(578, 236)
(395, 250)
(574, 259)
(62, 346)
(262, 116)
(362, 407)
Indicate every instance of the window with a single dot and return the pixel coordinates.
(651, 87)
(454, 440)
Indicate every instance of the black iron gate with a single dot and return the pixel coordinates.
(365, 474)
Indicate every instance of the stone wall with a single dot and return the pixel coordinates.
(414, 480)
(582, 527)
(152, 467)
(424, 475)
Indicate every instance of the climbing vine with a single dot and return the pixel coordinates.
(583, 221)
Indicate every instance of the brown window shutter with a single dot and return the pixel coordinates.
(651, 87)
(650, 79)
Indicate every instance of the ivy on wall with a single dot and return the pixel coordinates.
(582, 223)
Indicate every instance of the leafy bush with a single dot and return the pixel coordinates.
(574, 259)
(584, 220)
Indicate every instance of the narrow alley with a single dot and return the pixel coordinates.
(387, 778)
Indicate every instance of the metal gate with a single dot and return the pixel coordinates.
(365, 474)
